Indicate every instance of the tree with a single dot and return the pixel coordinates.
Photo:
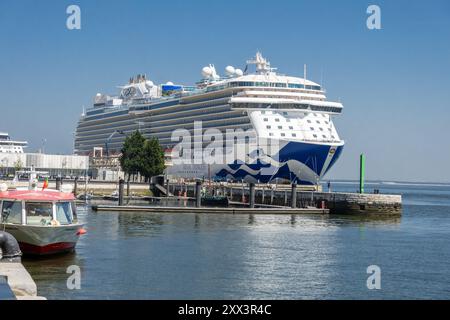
(132, 157)
(153, 159)
(18, 165)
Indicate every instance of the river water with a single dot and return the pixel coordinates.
(210, 256)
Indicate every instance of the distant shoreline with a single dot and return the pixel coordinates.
(389, 183)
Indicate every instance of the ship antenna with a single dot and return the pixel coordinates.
(304, 76)
(321, 77)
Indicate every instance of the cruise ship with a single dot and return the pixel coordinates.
(290, 114)
(7, 145)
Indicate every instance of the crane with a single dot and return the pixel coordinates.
(109, 139)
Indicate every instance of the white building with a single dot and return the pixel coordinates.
(66, 165)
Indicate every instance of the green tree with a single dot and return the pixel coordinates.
(132, 157)
(153, 159)
(18, 165)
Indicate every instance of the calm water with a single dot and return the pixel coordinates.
(188, 256)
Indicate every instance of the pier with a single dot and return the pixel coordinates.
(259, 199)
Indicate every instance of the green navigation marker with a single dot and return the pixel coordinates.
(362, 172)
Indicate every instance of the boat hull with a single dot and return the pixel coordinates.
(299, 162)
(44, 240)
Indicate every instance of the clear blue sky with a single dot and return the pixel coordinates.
(394, 82)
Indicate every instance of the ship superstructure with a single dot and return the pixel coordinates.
(262, 104)
(7, 145)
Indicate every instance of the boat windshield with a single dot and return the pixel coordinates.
(64, 214)
(39, 213)
(12, 212)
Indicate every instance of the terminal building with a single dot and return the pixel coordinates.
(13, 158)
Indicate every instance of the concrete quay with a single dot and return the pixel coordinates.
(20, 281)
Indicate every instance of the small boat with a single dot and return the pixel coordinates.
(113, 197)
(42, 221)
(215, 201)
(86, 196)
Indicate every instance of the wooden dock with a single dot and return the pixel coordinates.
(156, 209)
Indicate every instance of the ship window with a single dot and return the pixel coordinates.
(12, 212)
(315, 114)
(309, 121)
(285, 113)
(277, 120)
(283, 134)
(326, 122)
(288, 120)
(268, 127)
(39, 213)
(318, 121)
(280, 127)
(311, 128)
(332, 136)
(64, 213)
(294, 134)
(321, 129)
(315, 135)
(263, 112)
(324, 136)
(271, 134)
(266, 119)
(291, 127)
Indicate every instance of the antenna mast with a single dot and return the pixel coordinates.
(304, 75)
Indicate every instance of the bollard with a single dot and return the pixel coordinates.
(58, 183)
(121, 183)
(75, 186)
(252, 195)
(294, 196)
(198, 194)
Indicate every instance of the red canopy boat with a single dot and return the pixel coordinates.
(42, 221)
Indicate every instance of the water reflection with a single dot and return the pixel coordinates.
(139, 224)
(50, 273)
(220, 256)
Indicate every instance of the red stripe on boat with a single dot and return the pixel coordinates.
(47, 249)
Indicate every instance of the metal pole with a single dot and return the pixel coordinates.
(198, 194)
(58, 183)
(294, 196)
(75, 186)
(362, 172)
(252, 195)
(121, 183)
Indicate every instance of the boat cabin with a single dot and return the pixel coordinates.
(37, 208)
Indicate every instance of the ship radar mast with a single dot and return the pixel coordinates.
(262, 65)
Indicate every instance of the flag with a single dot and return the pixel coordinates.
(45, 186)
